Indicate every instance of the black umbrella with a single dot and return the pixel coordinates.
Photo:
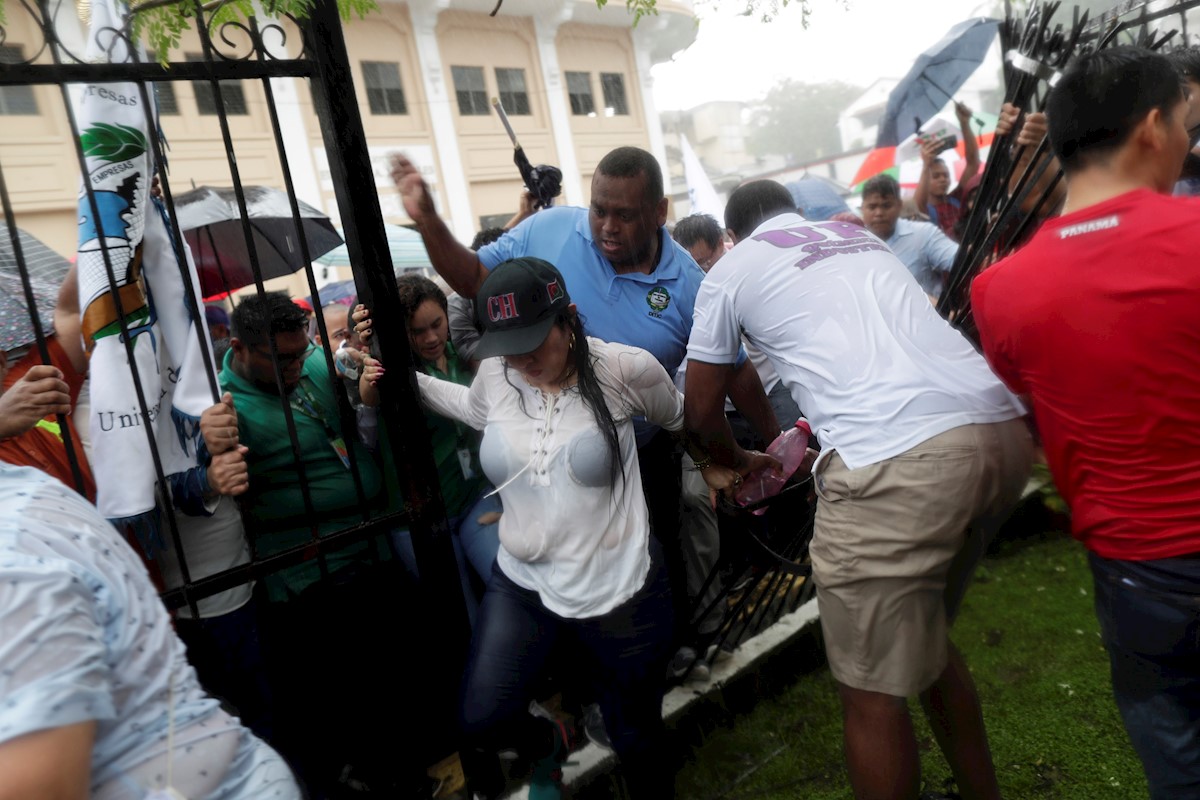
(46, 270)
(212, 224)
(935, 76)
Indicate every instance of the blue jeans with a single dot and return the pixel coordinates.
(479, 543)
(1149, 615)
(474, 544)
(626, 651)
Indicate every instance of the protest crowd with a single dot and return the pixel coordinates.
(598, 384)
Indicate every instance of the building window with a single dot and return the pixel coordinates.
(15, 100)
(613, 85)
(470, 90)
(385, 93)
(164, 91)
(513, 95)
(579, 90)
(232, 93)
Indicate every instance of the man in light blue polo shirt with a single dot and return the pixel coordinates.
(652, 311)
(924, 249)
(632, 284)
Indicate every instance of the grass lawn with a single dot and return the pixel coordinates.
(1030, 636)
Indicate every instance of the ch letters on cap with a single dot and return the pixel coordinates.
(502, 306)
(553, 290)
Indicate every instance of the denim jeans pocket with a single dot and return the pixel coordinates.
(1142, 620)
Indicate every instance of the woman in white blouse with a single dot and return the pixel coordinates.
(576, 565)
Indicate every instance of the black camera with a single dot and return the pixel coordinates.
(948, 142)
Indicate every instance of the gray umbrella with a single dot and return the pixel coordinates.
(46, 270)
(212, 224)
(935, 76)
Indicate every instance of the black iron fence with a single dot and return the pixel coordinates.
(429, 617)
(1022, 185)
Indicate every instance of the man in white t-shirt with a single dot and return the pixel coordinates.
(924, 453)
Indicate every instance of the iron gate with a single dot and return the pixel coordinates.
(256, 51)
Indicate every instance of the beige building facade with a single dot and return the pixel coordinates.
(573, 77)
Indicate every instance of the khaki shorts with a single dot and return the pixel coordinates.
(895, 545)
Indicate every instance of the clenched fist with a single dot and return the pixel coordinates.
(219, 426)
(41, 392)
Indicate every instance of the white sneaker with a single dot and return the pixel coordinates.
(717, 655)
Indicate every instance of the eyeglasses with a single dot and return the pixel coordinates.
(288, 359)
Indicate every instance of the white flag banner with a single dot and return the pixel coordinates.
(701, 194)
(119, 217)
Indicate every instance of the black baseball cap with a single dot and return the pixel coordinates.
(516, 306)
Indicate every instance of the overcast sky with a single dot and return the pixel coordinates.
(855, 41)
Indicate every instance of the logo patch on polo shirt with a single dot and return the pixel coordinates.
(658, 299)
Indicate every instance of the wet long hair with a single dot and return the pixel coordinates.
(591, 391)
(412, 291)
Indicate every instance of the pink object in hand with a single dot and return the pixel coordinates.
(789, 448)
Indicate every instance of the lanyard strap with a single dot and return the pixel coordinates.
(303, 402)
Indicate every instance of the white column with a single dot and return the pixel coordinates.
(643, 37)
(293, 128)
(297, 142)
(455, 193)
(547, 32)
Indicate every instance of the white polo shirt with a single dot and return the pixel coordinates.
(863, 352)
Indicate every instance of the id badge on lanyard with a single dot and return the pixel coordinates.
(307, 406)
(339, 446)
(463, 453)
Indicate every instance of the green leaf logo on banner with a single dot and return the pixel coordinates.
(113, 143)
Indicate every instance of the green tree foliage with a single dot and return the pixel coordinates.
(799, 120)
(161, 23)
(766, 10)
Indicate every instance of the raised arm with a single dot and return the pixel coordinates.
(1028, 138)
(525, 210)
(67, 323)
(458, 264)
(970, 143)
(929, 154)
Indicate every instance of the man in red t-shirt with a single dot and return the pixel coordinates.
(1097, 321)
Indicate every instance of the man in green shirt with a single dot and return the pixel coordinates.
(275, 502)
(326, 655)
